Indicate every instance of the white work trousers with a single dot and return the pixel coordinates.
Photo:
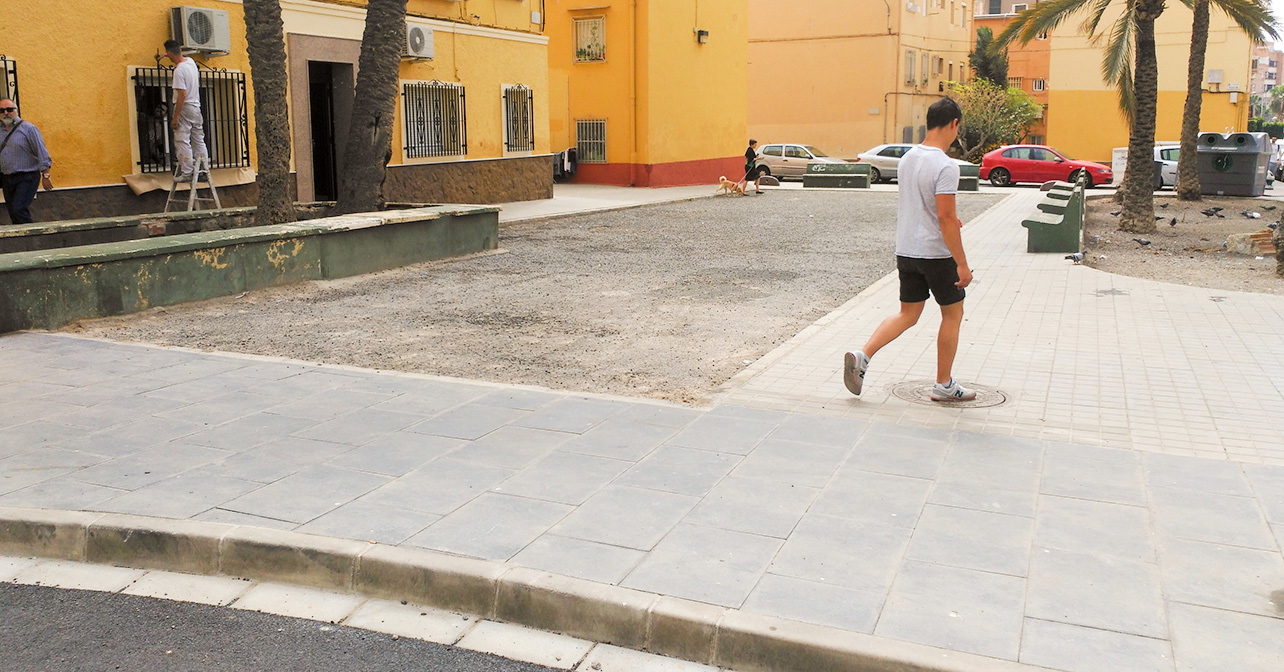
(190, 133)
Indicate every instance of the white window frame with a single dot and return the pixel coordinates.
(461, 132)
(586, 22)
(1019, 7)
(507, 109)
(1039, 85)
(910, 60)
(580, 126)
(228, 149)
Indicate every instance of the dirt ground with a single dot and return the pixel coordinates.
(1189, 251)
(666, 301)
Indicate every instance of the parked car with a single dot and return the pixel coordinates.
(883, 160)
(1166, 156)
(1038, 163)
(789, 160)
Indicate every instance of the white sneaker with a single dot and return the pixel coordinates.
(952, 391)
(854, 366)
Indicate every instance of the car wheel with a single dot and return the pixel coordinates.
(874, 175)
(1087, 178)
(1000, 177)
(762, 170)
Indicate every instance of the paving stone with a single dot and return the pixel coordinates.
(1202, 516)
(954, 608)
(409, 620)
(249, 431)
(525, 400)
(370, 522)
(816, 602)
(389, 383)
(981, 497)
(1193, 473)
(575, 557)
(607, 658)
(820, 430)
(705, 564)
(210, 412)
(1214, 640)
(118, 411)
(78, 576)
(525, 644)
(327, 404)
(16, 480)
(1100, 480)
(723, 434)
(1268, 483)
(1075, 451)
(225, 387)
(149, 465)
(136, 435)
(1078, 649)
(10, 567)
(1096, 591)
(755, 506)
(40, 433)
(564, 477)
(792, 462)
(882, 498)
(237, 518)
(213, 590)
(191, 367)
(493, 526)
(1099, 528)
(471, 421)
(304, 388)
(619, 439)
(433, 397)
(61, 493)
(674, 417)
(844, 552)
(650, 515)
(267, 371)
(439, 487)
(684, 471)
(306, 494)
(990, 542)
(299, 602)
(277, 459)
(572, 415)
(182, 496)
(1225, 577)
(48, 458)
(396, 454)
(359, 427)
(513, 447)
(879, 452)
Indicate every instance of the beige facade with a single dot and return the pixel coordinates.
(1266, 69)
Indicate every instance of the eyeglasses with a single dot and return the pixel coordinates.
(8, 109)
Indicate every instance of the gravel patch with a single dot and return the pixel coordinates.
(665, 301)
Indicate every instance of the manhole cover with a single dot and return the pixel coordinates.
(920, 392)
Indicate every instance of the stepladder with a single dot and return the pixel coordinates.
(198, 179)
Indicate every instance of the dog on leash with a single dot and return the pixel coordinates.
(728, 187)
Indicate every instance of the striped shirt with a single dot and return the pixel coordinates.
(25, 151)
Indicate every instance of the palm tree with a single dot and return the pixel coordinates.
(265, 42)
(369, 147)
(1276, 103)
(1255, 19)
(1130, 66)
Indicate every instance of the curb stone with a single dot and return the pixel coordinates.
(589, 610)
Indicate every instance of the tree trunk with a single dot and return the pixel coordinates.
(1138, 214)
(1278, 239)
(265, 42)
(369, 147)
(1187, 171)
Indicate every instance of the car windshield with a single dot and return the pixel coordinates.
(814, 151)
(1062, 154)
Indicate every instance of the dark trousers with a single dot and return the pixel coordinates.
(19, 192)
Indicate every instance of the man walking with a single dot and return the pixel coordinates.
(189, 127)
(929, 254)
(24, 163)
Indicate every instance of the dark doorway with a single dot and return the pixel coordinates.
(325, 164)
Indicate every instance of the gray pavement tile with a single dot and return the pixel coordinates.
(1081, 452)
(432, 398)
(44, 457)
(359, 427)
(620, 439)
(142, 433)
(998, 448)
(1078, 649)
(1195, 473)
(36, 434)
(110, 390)
(306, 494)
(843, 552)
(218, 410)
(201, 389)
(182, 496)
(440, 486)
(751, 414)
(524, 400)
(276, 459)
(1099, 528)
(389, 383)
(954, 608)
(882, 498)
(396, 454)
(269, 371)
(22, 411)
(1097, 592)
(325, 405)
(579, 558)
(33, 388)
(907, 434)
(564, 477)
(1214, 640)
(512, 446)
(675, 417)
(492, 526)
(1202, 516)
(878, 452)
(705, 564)
(12, 480)
(1268, 483)
(792, 462)
(572, 415)
(820, 430)
(685, 471)
(149, 465)
(757, 506)
(723, 434)
(816, 602)
(61, 493)
(370, 522)
(118, 411)
(1225, 577)
(309, 383)
(990, 542)
(470, 421)
(1101, 480)
(192, 367)
(237, 518)
(981, 497)
(249, 431)
(79, 377)
(989, 471)
(649, 514)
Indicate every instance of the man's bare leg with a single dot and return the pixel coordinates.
(947, 341)
(893, 327)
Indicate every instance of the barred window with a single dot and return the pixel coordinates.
(1014, 82)
(9, 79)
(436, 123)
(222, 108)
(519, 114)
(590, 140)
(590, 39)
(1039, 85)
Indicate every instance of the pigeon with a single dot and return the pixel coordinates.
(1216, 208)
(1251, 215)
(1208, 213)
(1158, 217)
(1172, 222)
(1268, 208)
(1142, 241)
(1273, 225)
(1221, 216)
(1164, 204)
(1115, 213)
(1077, 257)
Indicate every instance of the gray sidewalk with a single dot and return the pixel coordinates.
(1063, 555)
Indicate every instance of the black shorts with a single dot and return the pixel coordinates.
(919, 276)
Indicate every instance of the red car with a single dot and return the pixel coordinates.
(1038, 163)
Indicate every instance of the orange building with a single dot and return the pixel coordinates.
(1028, 65)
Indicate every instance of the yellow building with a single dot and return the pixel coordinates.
(648, 92)
(845, 76)
(472, 114)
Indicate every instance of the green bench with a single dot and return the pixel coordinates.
(969, 177)
(837, 175)
(1057, 226)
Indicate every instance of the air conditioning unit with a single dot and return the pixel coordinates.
(418, 41)
(200, 29)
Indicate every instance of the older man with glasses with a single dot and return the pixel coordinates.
(24, 163)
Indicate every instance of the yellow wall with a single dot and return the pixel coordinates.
(599, 90)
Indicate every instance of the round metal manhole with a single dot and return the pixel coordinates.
(920, 392)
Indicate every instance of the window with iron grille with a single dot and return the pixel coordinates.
(436, 123)
(519, 113)
(590, 140)
(1014, 82)
(9, 79)
(590, 39)
(227, 131)
(1039, 85)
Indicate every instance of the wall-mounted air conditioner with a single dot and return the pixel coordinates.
(418, 41)
(201, 30)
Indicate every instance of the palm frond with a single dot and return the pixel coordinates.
(1253, 17)
(1091, 23)
(1043, 17)
(1116, 67)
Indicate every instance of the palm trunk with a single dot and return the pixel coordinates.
(1187, 172)
(369, 147)
(1138, 188)
(265, 43)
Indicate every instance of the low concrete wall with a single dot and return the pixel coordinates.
(527, 178)
(51, 288)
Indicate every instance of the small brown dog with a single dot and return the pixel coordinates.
(729, 187)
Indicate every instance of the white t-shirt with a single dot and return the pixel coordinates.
(923, 173)
(186, 78)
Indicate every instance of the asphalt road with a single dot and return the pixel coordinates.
(69, 630)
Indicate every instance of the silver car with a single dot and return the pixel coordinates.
(789, 160)
(883, 160)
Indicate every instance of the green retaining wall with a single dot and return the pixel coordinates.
(50, 288)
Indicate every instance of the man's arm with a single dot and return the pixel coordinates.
(951, 231)
(180, 97)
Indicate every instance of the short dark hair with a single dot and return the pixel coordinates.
(752, 141)
(942, 112)
(173, 47)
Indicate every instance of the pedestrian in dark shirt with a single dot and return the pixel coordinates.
(24, 163)
(751, 168)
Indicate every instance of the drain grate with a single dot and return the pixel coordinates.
(920, 392)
